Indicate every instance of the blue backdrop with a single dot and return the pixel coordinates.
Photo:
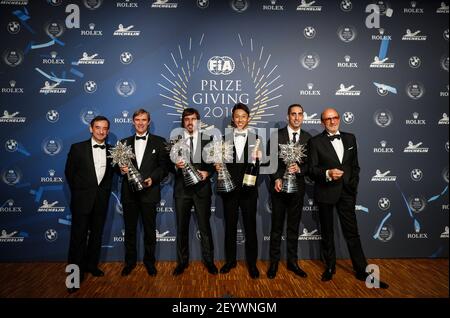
(63, 62)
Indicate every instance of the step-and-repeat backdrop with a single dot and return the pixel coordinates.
(383, 65)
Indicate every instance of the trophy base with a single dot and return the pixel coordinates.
(224, 182)
(191, 176)
(289, 184)
(136, 187)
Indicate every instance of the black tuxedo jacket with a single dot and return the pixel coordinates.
(153, 165)
(283, 138)
(82, 180)
(203, 188)
(323, 157)
(237, 167)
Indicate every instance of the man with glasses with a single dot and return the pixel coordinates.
(333, 164)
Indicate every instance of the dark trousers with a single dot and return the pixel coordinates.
(131, 212)
(285, 206)
(86, 236)
(247, 201)
(183, 214)
(346, 211)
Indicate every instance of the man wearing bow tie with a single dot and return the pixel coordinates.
(333, 162)
(151, 161)
(240, 198)
(89, 175)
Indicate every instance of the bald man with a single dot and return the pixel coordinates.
(333, 160)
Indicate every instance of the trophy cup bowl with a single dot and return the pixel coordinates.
(122, 154)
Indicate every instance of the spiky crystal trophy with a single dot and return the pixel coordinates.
(179, 151)
(291, 153)
(219, 152)
(122, 154)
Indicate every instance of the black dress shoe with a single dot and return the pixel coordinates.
(212, 269)
(328, 274)
(179, 269)
(363, 277)
(228, 267)
(272, 271)
(293, 267)
(97, 272)
(253, 271)
(128, 269)
(151, 269)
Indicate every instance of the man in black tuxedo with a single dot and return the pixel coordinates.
(288, 204)
(244, 198)
(89, 174)
(151, 161)
(333, 161)
(197, 195)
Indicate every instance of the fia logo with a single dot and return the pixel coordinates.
(221, 65)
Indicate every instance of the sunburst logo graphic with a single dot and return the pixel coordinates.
(214, 83)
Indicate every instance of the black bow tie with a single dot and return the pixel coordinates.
(99, 146)
(141, 138)
(333, 137)
(240, 134)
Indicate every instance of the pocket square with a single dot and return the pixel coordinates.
(350, 148)
(154, 150)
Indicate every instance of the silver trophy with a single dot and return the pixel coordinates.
(179, 150)
(291, 153)
(122, 154)
(219, 152)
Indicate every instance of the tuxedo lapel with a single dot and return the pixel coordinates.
(148, 148)
(330, 149)
(90, 158)
(283, 138)
(346, 144)
(303, 137)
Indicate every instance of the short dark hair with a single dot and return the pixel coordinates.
(292, 106)
(141, 111)
(189, 112)
(240, 106)
(236, 107)
(99, 118)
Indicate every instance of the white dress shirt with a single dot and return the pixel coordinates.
(239, 142)
(195, 140)
(99, 160)
(338, 148)
(291, 133)
(139, 148)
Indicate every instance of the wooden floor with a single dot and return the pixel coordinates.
(407, 278)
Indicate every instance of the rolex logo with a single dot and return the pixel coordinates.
(310, 86)
(413, 4)
(381, 31)
(347, 58)
(91, 26)
(51, 173)
(53, 54)
(12, 83)
(383, 143)
(415, 115)
(125, 114)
